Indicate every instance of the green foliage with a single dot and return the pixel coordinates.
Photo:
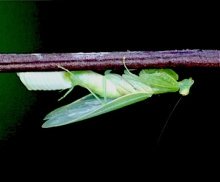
(18, 34)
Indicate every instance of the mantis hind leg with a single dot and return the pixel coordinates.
(126, 68)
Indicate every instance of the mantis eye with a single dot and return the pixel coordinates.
(185, 86)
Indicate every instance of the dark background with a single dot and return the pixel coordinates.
(128, 26)
(126, 138)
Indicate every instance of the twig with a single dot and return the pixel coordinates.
(109, 60)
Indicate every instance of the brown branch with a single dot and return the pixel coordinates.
(109, 60)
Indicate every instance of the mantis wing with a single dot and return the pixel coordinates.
(88, 107)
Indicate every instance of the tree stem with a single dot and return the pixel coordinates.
(109, 60)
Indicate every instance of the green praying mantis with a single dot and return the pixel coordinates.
(108, 92)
